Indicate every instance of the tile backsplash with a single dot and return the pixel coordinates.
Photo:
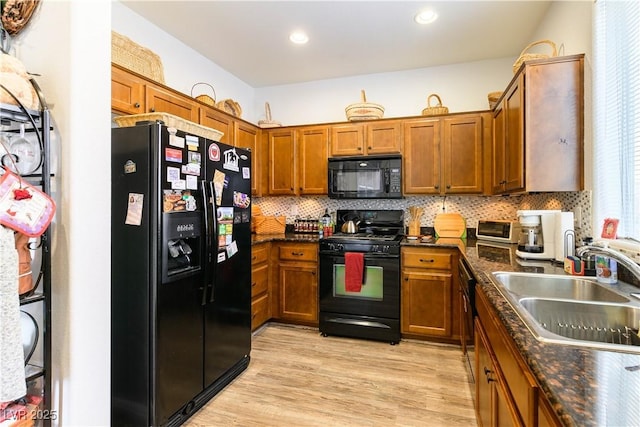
(472, 208)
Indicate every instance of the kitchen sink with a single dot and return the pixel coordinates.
(572, 310)
(599, 325)
(557, 286)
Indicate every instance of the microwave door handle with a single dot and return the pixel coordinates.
(387, 181)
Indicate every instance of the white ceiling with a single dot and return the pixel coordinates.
(250, 38)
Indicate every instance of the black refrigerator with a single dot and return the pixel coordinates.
(180, 272)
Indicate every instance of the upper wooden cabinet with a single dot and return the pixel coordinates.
(162, 100)
(539, 127)
(282, 154)
(383, 137)
(313, 152)
(246, 135)
(444, 155)
(127, 92)
(216, 119)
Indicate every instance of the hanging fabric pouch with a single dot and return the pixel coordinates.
(23, 207)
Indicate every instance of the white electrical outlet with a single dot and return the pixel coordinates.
(293, 210)
(577, 216)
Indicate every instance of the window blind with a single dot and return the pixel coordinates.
(616, 91)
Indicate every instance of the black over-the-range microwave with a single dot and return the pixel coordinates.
(365, 177)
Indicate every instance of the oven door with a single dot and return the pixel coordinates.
(380, 293)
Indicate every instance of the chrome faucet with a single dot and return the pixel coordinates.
(602, 249)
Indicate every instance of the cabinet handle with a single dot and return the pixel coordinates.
(503, 182)
(297, 253)
(254, 283)
(253, 258)
(448, 187)
(487, 371)
(253, 316)
(369, 147)
(313, 273)
(300, 188)
(136, 105)
(427, 260)
(291, 188)
(406, 279)
(437, 186)
(359, 148)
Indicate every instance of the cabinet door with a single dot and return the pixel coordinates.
(159, 100)
(498, 164)
(299, 292)
(514, 141)
(248, 136)
(384, 137)
(347, 140)
(421, 157)
(313, 152)
(462, 156)
(282, 169)
(426, 303)
(484, 378)
(127, 92)
(215, 119)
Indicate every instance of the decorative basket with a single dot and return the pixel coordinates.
(435, 110)
(493, 98)
(172, 122)
(524, 56)
(270, 224)
(268, 123)
(134, 57)
(364, 110)
(230, 106)
(16, 14)
(204, 97)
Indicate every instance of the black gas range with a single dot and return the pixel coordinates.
(371, 309)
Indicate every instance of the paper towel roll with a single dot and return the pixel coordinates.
(565, 238)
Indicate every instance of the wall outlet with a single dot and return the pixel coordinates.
(293, 210)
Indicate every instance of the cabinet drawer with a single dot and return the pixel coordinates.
(259, 311)
(298, 253)
(427, 259)
(259, 254)
(259, 280)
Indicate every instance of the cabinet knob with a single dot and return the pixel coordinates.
(448, 187)
(300, 188)
(254, 283)
(136, 105)
(437, 186)
(487, 373)
(359, 148)
(369, 147)
(152, 110)
(291, 189)
(406, 279)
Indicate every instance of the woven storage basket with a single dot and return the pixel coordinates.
(435, 110)
(204, 97)
(493, 98)
(270, 224)
(364, 110)
(524, 56)
(230, 106)
(172, 122)
(16, 14)
(134, 57)
(268, 123)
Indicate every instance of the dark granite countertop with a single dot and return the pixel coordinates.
(287, 237)
(585, 387)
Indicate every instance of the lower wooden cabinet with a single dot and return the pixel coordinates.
(506, 390)
(298, 282)
(260, 269)
(430, 305)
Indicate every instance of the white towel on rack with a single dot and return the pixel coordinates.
(12, 382)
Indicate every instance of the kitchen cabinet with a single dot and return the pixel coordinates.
(520, 392)
(538, 126)
(216, 119)
(282, 154)
(246, 135)
(260, 273)
(358, 139)
(313, 152)
(127, 92)
(430, 303)
(159, 99)
(445, 155)
(298, 282)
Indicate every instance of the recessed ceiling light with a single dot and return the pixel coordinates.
(298, 37)
(426, 17)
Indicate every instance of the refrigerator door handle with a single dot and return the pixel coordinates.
(207, 241)
(214, 246)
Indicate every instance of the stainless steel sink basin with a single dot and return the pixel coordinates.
(597, 325)
(556, 286)
(572, 310)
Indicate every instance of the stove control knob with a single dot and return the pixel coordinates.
(375, 248)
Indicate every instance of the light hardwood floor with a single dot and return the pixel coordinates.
(298, 378)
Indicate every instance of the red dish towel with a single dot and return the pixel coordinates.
(353, 271)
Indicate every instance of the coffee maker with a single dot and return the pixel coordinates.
(538, 234)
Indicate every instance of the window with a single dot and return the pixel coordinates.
(616, 96)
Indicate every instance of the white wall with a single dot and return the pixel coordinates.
(183, 66)
(68, 43)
